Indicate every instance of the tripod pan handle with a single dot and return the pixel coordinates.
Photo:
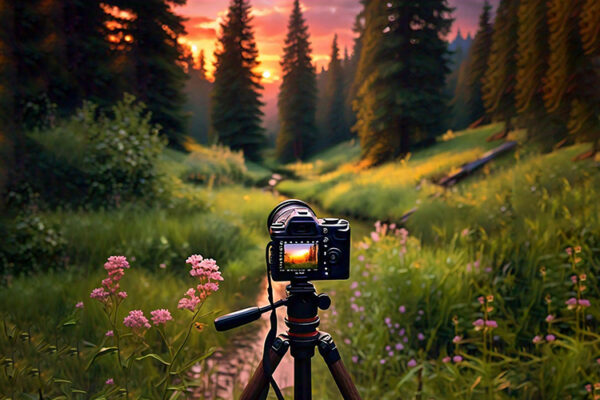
(237, 318)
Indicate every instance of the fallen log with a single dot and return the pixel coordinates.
(471, 167)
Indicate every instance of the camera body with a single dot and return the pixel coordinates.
(304, 247)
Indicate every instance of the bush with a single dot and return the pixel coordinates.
(97, 159)
(215, 165)
(30, 243)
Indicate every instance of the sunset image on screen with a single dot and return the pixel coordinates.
(300, 256)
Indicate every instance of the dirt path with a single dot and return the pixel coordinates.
(232, 367)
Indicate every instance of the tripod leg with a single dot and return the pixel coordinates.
(342, 378)
(258, 383)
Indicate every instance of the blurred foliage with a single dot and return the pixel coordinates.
(97, 159)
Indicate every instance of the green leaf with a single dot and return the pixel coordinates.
(209, 352)
(155, 356)
(57, 380)
(408, 376)
(78, 391)
(103, 351)
(70, 322)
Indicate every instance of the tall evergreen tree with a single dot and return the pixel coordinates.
(477, 64)
(351, 70)
(236, 106)
(154, 56)
(532, 63)
(298, 92)
(338, 130)
(198, 90)
(499, 79)
(589, 25)
(401, 74)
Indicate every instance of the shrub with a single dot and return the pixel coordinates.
(97, 159)
(30, 243)
(215, 165)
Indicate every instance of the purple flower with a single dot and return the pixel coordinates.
(402, 309)
(391, 353)
(109, 333)
(550, 318)
(412, 363)
(350, 324)
(478, 323)
(550, 338)
(457, 339)
(110, 381)
(446, 359)
(537, 339)
(457, 359)
(584, 303)
(420, 336)
(491, 323)
(79, 304)
(354, 359)
(382, 361)
(388, 348)
(399, 346)
(354, 285)
(388, 321)
(347, 341)
(357, 293)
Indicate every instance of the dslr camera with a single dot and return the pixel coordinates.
(304, 247)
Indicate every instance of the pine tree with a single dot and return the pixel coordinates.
(569, 71)
(351, 70)
(338, 130)
(235, 109)
(401, 74)
(298, 92)
(198, 89)
(477, 65)
(154, 58)
(499, 79)
(532, 63)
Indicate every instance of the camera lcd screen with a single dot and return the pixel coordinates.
(300, 256)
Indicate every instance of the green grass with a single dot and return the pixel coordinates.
(502, 232)
(390, 190)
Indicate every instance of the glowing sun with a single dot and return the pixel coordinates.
(266, 74)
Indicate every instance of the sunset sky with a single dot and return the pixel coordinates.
(270, 23)
(324, 18)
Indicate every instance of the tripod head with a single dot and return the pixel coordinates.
(302, 304)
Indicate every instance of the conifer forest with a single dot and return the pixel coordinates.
(143, 144)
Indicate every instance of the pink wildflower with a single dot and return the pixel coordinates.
(569, 250)
(382, 361)
(584, 303)
(571, 303)
(550, 338)
(457, 339)
(375, 236)
(399, 346)
(161, 316)
(122, 295)
(550, 318)
(355, 359)
(354, 285)
(479, 323)
(412, 363)
(110, 381)
(136, 320)
(481, 299)
(109, 333)
(361, 258)
(162, 266)
(457, 359)
(79, 304)
(446, 359)
(491, 324)
(420, 336)
(402, 309)
(191, 302)
(537, 339)
(99, 294)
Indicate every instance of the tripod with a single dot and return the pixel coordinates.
(302, 337)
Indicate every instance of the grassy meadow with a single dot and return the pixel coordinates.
(487, 291)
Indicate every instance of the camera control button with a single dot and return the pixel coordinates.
(333, 256)
(331, 220)
(325, 230)
(325, 240)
